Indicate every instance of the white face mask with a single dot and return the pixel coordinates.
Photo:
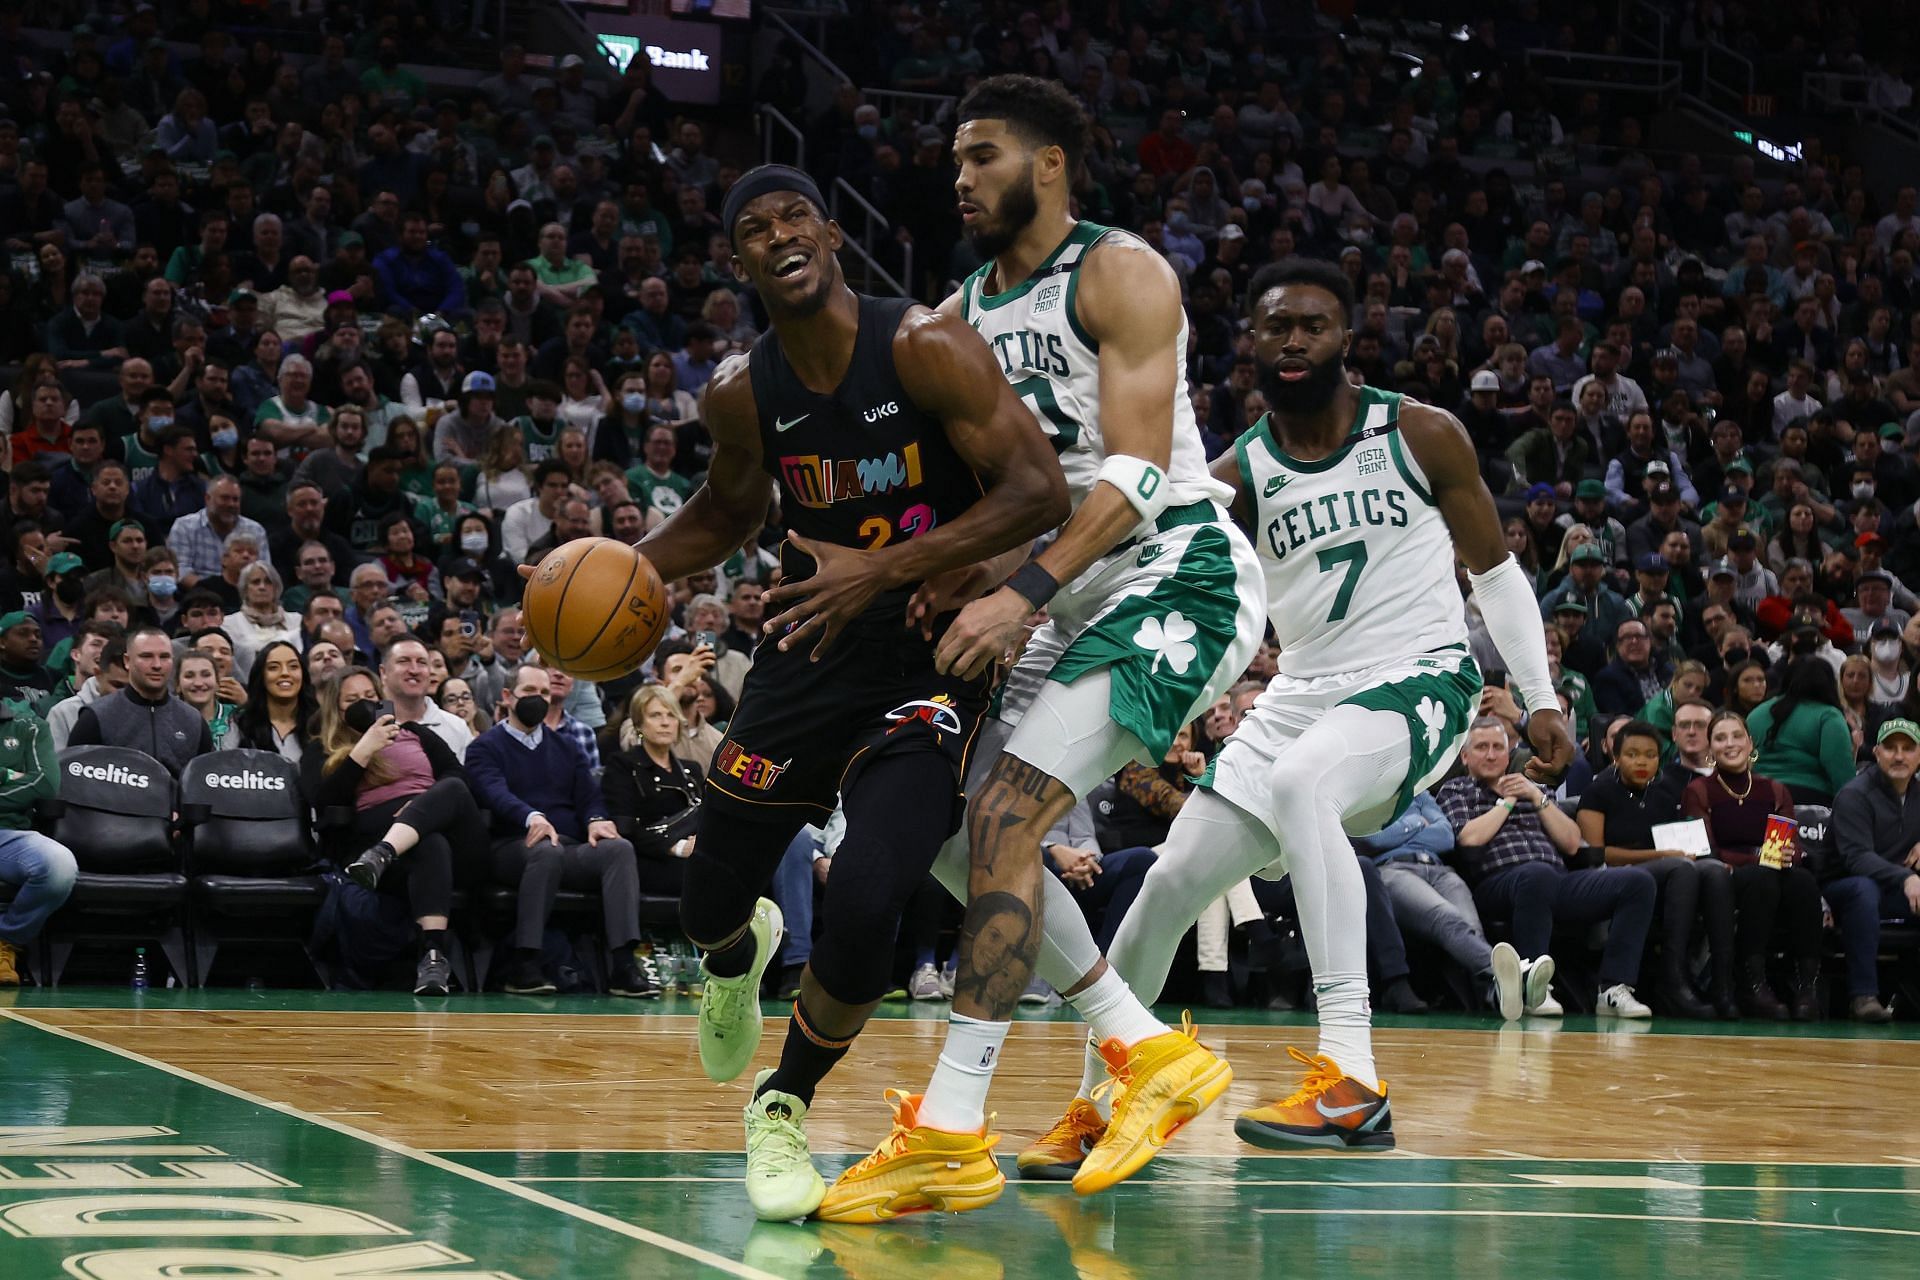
(1887, 650)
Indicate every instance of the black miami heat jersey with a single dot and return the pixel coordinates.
(861, 466)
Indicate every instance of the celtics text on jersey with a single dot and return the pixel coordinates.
(1052, 363)
(1359, 563)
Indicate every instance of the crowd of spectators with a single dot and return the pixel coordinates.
(311, 356)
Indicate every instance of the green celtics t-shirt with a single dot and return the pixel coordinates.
(439, 522)
(571, 271)
(538, 442)
(139, 458)
(661, 493)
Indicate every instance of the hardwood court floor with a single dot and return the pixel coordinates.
(578, 1138)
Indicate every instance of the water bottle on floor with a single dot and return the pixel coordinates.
(139, 968)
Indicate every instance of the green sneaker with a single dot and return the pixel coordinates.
(782, 1183)
(730, 1007)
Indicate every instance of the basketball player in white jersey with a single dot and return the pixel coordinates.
(1358, 501)
(1156, 604)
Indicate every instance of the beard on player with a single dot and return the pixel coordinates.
(993, 231)
(1299, 385)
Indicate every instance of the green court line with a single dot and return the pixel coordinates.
(234, 1133)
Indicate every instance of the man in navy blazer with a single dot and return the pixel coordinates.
(551, 830)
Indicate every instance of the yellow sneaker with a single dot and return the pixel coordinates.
(1057, 1155)
(915, 1169)
(1160, 1084)
(9, 971)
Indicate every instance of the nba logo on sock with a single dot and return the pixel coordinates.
(986, 1057)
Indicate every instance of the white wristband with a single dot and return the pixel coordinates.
(1140, 482)
(1512, 613)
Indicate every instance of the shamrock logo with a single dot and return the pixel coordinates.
(1434, 717)
(1168, 640)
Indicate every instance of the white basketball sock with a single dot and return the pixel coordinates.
(956, 1098)
(1346, 1024)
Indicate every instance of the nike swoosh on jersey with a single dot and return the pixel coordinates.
(781, 424)
(1334, 1113)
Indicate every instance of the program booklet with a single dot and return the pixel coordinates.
(1689, 836)
(1781, 848)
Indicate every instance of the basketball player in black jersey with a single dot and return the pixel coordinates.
(911, 478)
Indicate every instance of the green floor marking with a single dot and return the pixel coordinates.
(1356, 1218)
(195, 1180)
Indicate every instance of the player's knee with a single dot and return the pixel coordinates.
(714, 905)
(851, 971)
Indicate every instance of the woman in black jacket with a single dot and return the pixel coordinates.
(408, 795)
(653, 794)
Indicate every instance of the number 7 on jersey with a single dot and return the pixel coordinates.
(1354, 556)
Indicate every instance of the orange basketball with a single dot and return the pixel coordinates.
(595, 608)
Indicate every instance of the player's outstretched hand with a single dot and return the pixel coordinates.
(942, 594)
(1552, 746)
(843, 584)
(982, 634)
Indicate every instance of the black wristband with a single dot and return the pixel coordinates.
(1034, 584)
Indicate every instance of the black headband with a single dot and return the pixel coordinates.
(758, 182)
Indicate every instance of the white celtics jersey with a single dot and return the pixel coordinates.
(1053, 364)
(1358, 560)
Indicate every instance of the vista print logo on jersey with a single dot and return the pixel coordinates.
(818, 482)
(1048, 298)
(1169, 640)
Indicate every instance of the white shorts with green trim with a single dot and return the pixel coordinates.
(1173, 618)
(1435, 693)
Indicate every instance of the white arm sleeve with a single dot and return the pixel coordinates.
(1512, 614)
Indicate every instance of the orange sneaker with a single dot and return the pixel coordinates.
(1057, 1155)
(1329, 1109)
(914, 1170)
(1160, 1084)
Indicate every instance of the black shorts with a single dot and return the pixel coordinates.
(803, 730)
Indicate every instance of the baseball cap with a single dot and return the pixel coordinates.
(65, 562)
(1870, 539)
(1652, 562)
(1569, 605)
(477, 381)
(351, 238)
(1733, 493)
(1587, 552)
(928, 135)
(1743, 539)
(120, 526)
(1594, 489)
(9, 621)
(1232, 231)
(340, 298)
(1892, 430)
(1739, 464)
(1532, 265)
(1722, 569)
(572, 60)
(242, 295)
(1659, 468)
(1485, 380)
(1884, 627)
(1874, 575)
(544, 140)
(463, 567)
(1539, 491)
(1898, 725)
